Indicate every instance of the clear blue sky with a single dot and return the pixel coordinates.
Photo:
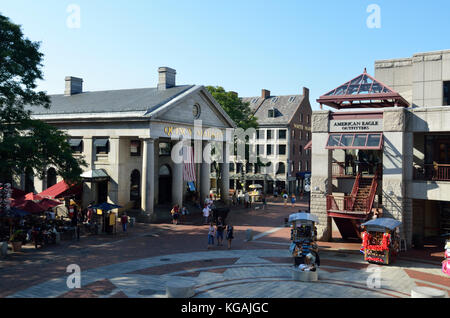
(243, 45)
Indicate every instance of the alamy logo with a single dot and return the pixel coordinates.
(74, 279)
(374, 19)
(74, 19)
(374, 279)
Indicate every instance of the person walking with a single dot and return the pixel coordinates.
(285, 198)
(264, 202)
(220, 226)
(293, 200)
(229, 236)
(205, 214)
(246, 199)
(211, 234)
(175, 214)
(124, 221)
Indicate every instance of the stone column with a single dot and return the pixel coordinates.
(177, 184)
(225, 174)
(397, 170)
(88, 187)
(114, 160)
(205, 176)
(148, 176)
(321, 173)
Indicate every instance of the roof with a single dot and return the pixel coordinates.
(138, 99)
(284, 106)
(363, 91)
(384, 222)
(303, 217)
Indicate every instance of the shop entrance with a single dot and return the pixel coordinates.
(165, 185)
(102, 191)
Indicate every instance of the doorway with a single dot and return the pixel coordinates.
(135, 189)
(165, 185)
(102, 192)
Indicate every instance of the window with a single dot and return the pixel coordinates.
(301, 135)
(307, 135)
(261, 134)
(249, 168)
(282, 134)
(281, 149)
(51, 177)
(165, 149)
(271, 113)
(293, 133)
(306, 165)
(135, 148)
(300, 166)
(300, 150)
(293, 150)
(291, 99)
(257, 134)
(281, 168)
(269, 134)
(301, 117)
(355, 141)
(101, 146)
(239, 167)
(269, 150)
(446, 101)
(308, 119)
(231, 167)
(76, 144)
(274, 100)
(254, 100)
(292, 166)
(259, 150)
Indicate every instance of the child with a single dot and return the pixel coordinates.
(293, 200)
(211, 234)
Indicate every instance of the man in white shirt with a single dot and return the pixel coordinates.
(205, 214)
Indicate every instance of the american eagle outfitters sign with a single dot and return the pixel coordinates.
(356, 125)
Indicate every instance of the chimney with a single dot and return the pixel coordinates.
(74, 85)
(167, 78)
(306, 92)
(265, 93)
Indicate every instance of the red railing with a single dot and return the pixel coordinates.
(372, 193)
(432, 172)
(344, 203)
(354, 193)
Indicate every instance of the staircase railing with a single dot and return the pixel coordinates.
(372, 193)
(354, 193)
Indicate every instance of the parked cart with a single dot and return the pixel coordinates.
(381, 240)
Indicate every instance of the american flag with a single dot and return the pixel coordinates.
(189, 164)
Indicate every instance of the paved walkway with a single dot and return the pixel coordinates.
(140, 264)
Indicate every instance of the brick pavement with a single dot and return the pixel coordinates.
(126, 265)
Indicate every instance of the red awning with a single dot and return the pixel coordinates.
(308, 145)
(31, 206)
(61, 189)
(47, 203)
(33, 197)
(368, 141)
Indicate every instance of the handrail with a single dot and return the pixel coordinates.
(372, 193)
(432, 172)
(354, 192)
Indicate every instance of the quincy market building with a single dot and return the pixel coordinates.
(387, 149)
(126, 138)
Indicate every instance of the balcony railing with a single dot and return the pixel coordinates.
(432, 172)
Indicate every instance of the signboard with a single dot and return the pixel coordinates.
(356, 125)
(307, 184)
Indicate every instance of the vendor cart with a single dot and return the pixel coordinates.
(381, 240)
(303, 240)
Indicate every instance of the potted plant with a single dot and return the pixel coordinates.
(16, 240)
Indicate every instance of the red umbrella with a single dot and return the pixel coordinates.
(47, 203)
(17, 193)
(30, 206)
(33, 197)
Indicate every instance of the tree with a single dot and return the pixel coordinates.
(25, 142)
(239, 111)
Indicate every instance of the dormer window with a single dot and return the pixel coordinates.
(274, 100)
(254, 100)
(291, 99)
(271, 113)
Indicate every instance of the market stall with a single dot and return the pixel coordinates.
(381, 240)
(303, 246)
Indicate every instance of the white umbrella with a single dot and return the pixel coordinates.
(255, 186)
(303, 216)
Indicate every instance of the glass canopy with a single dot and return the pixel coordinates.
(372, 141)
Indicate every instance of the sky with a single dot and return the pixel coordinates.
(243, 46)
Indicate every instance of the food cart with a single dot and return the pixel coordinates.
(381, 240)
(303, 241)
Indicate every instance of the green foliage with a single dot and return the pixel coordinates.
(24, 142)
(239, 111)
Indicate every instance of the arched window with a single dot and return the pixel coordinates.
(135, 188)
(29, 180)
(51, 177)
(281, 168)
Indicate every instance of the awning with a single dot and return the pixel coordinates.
(302, 216)
(75, 142)
(95, 175)
(100, 142)
(384, 223)
(308, 145)
(373, 141)
(60, 190)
